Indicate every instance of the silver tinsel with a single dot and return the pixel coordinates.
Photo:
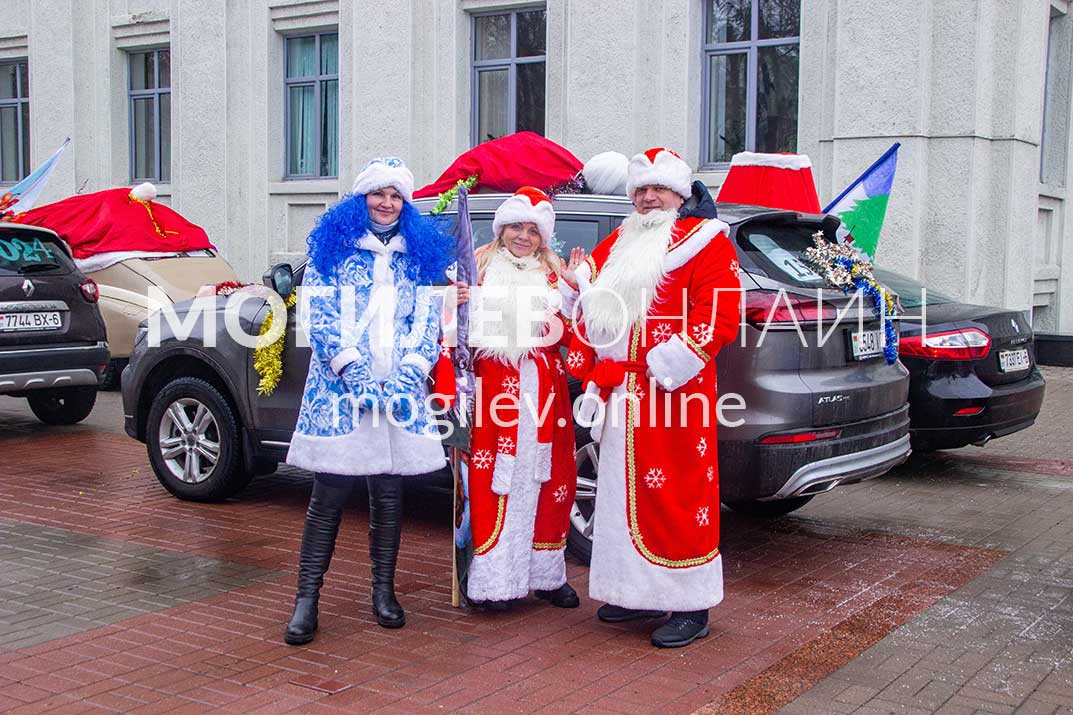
(830, 259)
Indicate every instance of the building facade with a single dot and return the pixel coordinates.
(253, 116)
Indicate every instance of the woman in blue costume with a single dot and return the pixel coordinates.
(374, 332)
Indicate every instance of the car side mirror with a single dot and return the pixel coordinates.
(280, 278)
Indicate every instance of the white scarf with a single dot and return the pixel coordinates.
(627, 283)
(512, 297)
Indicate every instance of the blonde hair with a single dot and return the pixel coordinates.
(548, 258)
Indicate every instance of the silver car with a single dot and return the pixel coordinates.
(817, 415)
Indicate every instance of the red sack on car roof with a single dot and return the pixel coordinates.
(507, 164)
(114, 220)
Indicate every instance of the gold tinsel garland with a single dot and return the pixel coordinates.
(268, 357)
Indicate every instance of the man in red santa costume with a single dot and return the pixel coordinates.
(659, 298)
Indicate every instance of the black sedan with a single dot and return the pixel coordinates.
(972, 368)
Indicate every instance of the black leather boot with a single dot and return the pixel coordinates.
(318, 543)
(385, 530)
(563, 597)
(683, 628)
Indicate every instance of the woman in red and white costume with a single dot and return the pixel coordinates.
(522, 474)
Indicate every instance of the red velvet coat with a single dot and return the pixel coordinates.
(671, 465)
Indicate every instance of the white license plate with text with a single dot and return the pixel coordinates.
(17, 322)
(1014, 360)
(867, 344)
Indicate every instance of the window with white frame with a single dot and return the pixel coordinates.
(150, 115)
(312, 106)
(509, 58)
(14, 121)
(750, 75)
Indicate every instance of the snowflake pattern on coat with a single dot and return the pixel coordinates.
(655, 478)
(328, 406)
(662, 332)
(482, 459)
(702, 446)
(702, 516)
(702, 333)
(560, 494)
(505, 445)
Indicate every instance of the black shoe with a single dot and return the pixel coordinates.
(318, 543)
(562, 597)
(303, 623)
(683, 628)
(493, 606)
(617, 614)
(385, 531)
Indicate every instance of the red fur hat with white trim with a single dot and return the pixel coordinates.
(527, 205)
(659, 166)
(778, 181)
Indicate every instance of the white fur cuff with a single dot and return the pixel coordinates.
(417, 361)
(344, 358)
(673, 364)
(502, 472)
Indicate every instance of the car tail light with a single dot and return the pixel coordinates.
(966, 411)
(89, 290)
(763, 306)
(801, 437)
(963, 344)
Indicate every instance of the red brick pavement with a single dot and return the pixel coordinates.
(802, 599)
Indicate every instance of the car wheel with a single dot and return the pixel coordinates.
(583, 513)
(754, 507)
(63, 405)
(193, 439)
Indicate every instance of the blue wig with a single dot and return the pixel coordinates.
(338, 230)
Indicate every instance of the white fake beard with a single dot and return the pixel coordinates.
(627, 283)
(515, 288)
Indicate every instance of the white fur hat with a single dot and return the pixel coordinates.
(385, 171)
(527, 205)
(660, 166)
(606, 173)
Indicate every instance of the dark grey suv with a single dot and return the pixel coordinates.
(53, 345)
(816, 416)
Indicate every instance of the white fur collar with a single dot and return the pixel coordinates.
(512, 288)
(370, 242)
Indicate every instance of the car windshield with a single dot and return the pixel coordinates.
(911, 293)
(779, 250)
(24, 252)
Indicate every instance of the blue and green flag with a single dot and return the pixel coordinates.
(863, 205)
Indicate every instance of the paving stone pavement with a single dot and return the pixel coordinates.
(57, 582)
(946, 586)
(1003, 643)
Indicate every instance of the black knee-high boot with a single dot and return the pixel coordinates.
(385, 530)
(318, 543)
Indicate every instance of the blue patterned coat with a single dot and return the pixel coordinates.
(369, 310)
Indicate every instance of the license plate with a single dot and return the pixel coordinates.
(1013, 360)
(867, 344)
(17, 322)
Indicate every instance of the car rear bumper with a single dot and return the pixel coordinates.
(47, 367)
(864, 450)
(1006, 409)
